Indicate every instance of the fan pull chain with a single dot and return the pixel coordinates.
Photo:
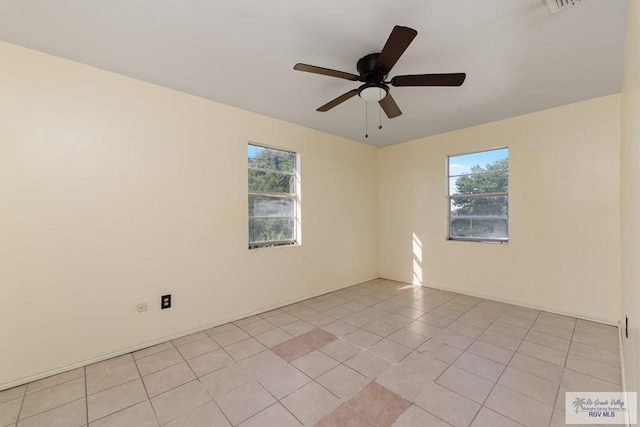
(380, 113)
(366, 120)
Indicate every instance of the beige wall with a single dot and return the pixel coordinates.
(630, 192)
(115, 192)
(563, 250)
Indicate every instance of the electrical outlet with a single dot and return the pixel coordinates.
(141, 307)
(165, 301)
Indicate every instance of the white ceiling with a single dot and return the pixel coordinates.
(518, 57)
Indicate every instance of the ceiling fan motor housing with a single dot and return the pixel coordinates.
(367, 69)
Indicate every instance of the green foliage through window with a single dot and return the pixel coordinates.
(272, 197)
(479, 196)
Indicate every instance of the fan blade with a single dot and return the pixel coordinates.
(339, 100)
(389, 106)
(325, 71)
(451, 79)
(397, 43)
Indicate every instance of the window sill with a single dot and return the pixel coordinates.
(292, 245)
(494, 242)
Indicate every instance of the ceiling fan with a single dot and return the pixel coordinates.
(374, 69)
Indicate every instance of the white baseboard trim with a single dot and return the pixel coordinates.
(509, 301)
(135, 347)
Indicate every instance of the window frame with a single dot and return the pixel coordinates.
(294, 197)
(451, 197)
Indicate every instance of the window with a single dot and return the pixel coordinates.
(273, 201)
(479, 196)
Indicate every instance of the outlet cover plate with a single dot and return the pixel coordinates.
(165, 301)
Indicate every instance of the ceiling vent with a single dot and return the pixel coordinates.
(556, 6)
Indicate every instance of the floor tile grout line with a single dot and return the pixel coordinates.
(51, 408)
(612, 342)
(616, 354)
(434, 415)
(155, 414)
(501, 374)
(24, 397)
(19, 421)
(217, 406)
(154, 372)
(450, 363)
(524, 337)
(533, 342)
(505, 365)
(564, 368)
(192, 339)
(278, 402)
(339, 363)
(502, 415)
(253, 376)
(591, 376)
(465, 350)
(27, 393)
(167, 391)
(121, 409)
(415, 350)
(133, 354)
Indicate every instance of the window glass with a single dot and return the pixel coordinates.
(272, 196)
(479, 196)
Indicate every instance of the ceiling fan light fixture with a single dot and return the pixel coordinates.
(373, 92)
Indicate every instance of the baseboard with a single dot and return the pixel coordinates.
(510, 301)
(160, 340)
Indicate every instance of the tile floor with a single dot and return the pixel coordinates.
(380, 353)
